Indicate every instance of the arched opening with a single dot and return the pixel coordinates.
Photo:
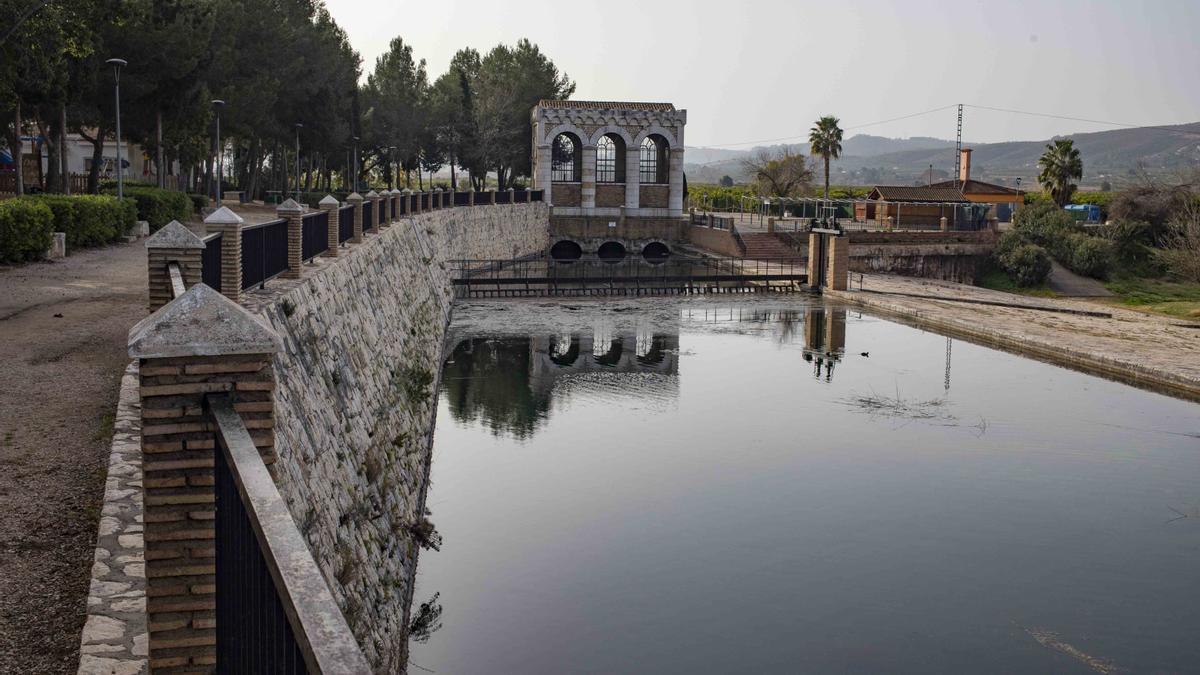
(566, 158)
(564, 350)
(610, 357)
(611, 252)
(610, 159)
(652, 162)
(566, 251)
(656, 252)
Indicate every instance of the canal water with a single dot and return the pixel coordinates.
(761, 485)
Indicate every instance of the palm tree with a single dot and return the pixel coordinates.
(826, 141)
(1059, 165)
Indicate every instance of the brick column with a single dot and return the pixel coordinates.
(492, 196)
(512, 196)
(471, 197)
(633, 178)
(330, 205)
(173, 243)
(294, 213)
(357, 200)
(198, 344)
(838, 271)
(229, 224)
(675, 177)
(814, 247)
(417, 199)
(373, 221)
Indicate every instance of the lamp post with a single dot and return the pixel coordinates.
(355, 169)
(1020, 200)
(299, 126)
(395, 178)
(218, 104)
(117, 65)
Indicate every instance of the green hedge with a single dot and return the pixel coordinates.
(25, 229)
(90, 220)
(199, 202)
(157, 206)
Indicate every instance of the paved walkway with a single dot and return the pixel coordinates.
(1153, 351)
(1071, 285)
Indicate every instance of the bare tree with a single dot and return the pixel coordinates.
(780, 173)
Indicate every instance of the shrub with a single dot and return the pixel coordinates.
(157, 206)
(1090, 256)
(25, 229)
(1007, 243)
(1027, 264)
(90, 220)
(199, 202)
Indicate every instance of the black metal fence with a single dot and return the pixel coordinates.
(503, 197)
(253, 631)
(314, 235)
(210, 261)
(462, 198)
(368, 221)
(264, 252)
(345, 223)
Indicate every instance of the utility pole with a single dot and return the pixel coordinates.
(958, 151)
(218, 103)
(299, 126)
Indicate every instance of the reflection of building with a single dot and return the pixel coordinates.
(824, 339)
(510, 383)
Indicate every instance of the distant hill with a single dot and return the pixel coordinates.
(1112, 156)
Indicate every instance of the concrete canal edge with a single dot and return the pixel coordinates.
(1058, 353)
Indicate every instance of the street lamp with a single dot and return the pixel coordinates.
(117, 65)
(299, 126)
(355, 167)
(217, 105)
(395, 176)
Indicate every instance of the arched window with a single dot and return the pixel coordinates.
(566, 158)
(610, 159)
(653, 160)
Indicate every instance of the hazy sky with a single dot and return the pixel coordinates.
(764, 70)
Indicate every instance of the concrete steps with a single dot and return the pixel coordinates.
(765, 245)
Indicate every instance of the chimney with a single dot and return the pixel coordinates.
(964, 173)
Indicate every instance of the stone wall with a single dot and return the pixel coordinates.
(566, 194)
(654, 196)
(717, 241)
(610, 195)
(356, 396)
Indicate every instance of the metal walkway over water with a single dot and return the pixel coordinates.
(546, 277)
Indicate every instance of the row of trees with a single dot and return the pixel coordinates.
(277, 64)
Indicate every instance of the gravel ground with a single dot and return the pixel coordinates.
(63, 331)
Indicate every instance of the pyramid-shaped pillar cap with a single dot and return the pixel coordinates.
(394, 191)
(175, 235)
(408, 191)
(289, 206)
(201, 322)
(354, 197)
(224, 216)
(372, 195)
(329, 200)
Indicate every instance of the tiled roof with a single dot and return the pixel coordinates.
(607, 105)
(920, 193)
(974, 187)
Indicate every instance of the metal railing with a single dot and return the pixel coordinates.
(737, 238)
(345, 223)
(627, 276)
(275, 613)
(367, 213)
(264, 252)
(503, 197)
(210, 261)
(314, 235)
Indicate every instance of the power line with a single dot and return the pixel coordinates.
(857, 126)
(1083, 119)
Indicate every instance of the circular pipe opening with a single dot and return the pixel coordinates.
(566, 251)
(611, 252)
(656, 253)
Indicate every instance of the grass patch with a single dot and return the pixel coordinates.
(1162, 296)
(998, 280)
(105, 431)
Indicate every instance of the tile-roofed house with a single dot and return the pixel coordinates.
(918, 193)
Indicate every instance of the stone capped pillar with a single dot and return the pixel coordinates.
(372, 197)
(357, 200)
(838, 272)
(471, 197)
(201, 343)
(394, 212)
(406, 195)
(330, 205)
(229, 224)
(293, 212)
(173, 243)
(587, 187)
(541, 174)
(675, 177)
(633, 178)
(492, 196)
(418, 197)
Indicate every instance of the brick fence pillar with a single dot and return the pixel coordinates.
(198, 344)
(293, 212)
(357, 200)
(435, 198)
(229, 224)
(418, 198)
(330, 205)
(173, 243)
(471, 197)
(814, 247)
(492, 196)
(372, 222)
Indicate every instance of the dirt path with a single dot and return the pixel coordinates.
(1068, 284)
(63, 331)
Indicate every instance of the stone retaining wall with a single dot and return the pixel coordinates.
(356, 396)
